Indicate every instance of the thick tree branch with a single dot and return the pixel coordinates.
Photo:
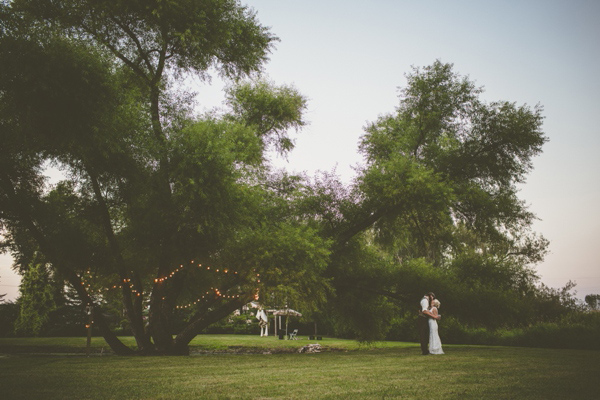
(143, 53)
(359, 226)
(202, 320)
(24, 217)
(134, 310)
(134, 67)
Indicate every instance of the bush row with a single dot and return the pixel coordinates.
(579, 330)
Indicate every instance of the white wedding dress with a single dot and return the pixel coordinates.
(435, 344)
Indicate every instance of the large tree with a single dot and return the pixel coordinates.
(171, 210)
(436, 197)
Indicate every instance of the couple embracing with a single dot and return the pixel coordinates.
(428, 327)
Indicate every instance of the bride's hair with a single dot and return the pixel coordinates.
(436, 303)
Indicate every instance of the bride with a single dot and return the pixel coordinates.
(435, 344)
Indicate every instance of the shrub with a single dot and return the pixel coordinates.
(577, 330)
(404, 328)
(8, 315)
(573, 331)
(244, 324)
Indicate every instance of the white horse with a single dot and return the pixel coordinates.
(263, 322)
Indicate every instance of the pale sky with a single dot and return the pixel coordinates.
(349, 58)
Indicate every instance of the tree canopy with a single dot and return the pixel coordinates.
(179, 215)
(438, 190)
(150, 187)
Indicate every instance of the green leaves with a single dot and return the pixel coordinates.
(36, 300)
(53, 92)
(446, 153)
(500, 144)
(270, 110)
(149, 36)
(286, 260)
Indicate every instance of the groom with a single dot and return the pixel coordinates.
(423, 323)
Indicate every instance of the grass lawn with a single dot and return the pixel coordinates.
(387, 370)
(201, 344)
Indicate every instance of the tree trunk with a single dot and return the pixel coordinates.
(159, 317)
(202, 320)
(109, 336)
(132, 304)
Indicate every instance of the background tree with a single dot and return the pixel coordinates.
(593, 301)
(9, 312)
(438, 190)
(36, 299)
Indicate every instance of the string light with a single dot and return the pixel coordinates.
(100, 291)
(217, 292)
(207, 267)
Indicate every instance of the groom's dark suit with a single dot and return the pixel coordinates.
(423, 325)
